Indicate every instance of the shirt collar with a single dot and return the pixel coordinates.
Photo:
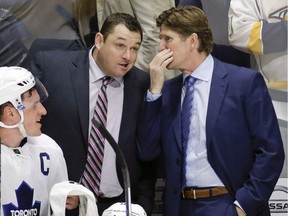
(23, 142)
(204, 70)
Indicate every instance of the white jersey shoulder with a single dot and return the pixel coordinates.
(44, 141)
(28, 174)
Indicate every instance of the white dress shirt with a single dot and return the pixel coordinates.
(109, 184)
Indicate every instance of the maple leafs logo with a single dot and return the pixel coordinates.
(24, 195)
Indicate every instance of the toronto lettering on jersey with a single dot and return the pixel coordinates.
(26, 212)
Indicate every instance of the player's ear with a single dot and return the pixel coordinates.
(5, 113)
(9, 114)
(8, 111)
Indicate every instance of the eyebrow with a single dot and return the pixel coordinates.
(124, 39)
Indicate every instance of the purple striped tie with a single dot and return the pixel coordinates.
(186, 114)
(92, 172)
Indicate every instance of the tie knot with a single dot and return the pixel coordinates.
(106, 80)
(190, 80)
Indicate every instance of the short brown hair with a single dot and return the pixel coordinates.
(115, 19)
(187, 20)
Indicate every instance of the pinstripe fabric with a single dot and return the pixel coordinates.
(186, 114)
(92, 173)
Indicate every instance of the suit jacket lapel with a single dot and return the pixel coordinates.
(127, 109)
(80, 81)
(173, 102)
(216, 97)
(131, 96)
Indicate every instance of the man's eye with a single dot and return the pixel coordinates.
(168, 39)
(135, 49)
(120, 46)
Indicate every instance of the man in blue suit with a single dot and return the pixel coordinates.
(234, 154)
(73, 80)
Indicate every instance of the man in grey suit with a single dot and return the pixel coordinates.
(73, 79)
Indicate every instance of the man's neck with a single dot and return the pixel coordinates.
(11, 137)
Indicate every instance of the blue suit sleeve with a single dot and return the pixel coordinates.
(267, 147)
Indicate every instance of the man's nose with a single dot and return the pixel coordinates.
(43, 110)
(161, 46)
(127, 54)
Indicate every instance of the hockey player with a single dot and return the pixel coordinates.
(31, 162)
(260, 28)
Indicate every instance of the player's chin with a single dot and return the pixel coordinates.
(37, 131)
(34, 133)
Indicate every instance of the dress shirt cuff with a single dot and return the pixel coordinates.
(152, 97)
(238, 204)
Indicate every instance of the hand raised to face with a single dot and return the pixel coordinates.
(157, 68)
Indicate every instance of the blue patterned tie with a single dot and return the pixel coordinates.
(186, 114)
(92, 173)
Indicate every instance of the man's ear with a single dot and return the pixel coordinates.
(99, 39)
(7, 113)
(10, 115)
(193, 38)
